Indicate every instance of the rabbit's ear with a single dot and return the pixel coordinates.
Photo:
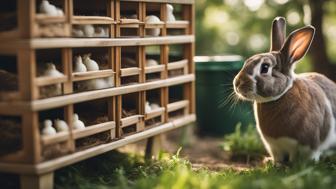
(278, 33)
(297, 44)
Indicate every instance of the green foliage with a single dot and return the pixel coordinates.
(244, 144)
(243, 26)
(122, 171)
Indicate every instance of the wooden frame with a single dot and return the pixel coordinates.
(35, 170)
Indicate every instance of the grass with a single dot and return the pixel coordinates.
(116, 170)
(244, 144)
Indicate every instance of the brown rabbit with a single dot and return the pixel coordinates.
(295, 114)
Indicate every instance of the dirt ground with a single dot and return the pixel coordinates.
(202, 152)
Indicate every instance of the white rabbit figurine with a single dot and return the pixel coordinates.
(79, 65)
(77, 32)
(151, 62)
(101, 32)
(90, 64)
(49, 9)
(77, 124)
(295, 113)
(154, 106)
(147, 107)
(170, 14)
(152, 19)
(51, 71)
(61, 125)
(48, 130)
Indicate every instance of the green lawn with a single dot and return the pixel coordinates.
(117, 170)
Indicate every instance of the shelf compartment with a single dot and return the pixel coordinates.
(80, 76)
(9, 85)
(11, 135)
(99, 124)
(9, 19)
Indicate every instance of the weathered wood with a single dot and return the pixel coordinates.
(43, 181)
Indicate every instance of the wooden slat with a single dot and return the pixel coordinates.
(178, 64)
(42, 43)
(154, 25)
(94, 129)
(54, 139)
(80, 76)
(154, 69)
(64, 161)
(124, 72)
(179, 24)
(154, 113)
(124, 122)
(10, 34)
(177, 105)
(92, 20)
(15, 107)
(162, 1)
(45, 80)
(45, 19)
(129, 21)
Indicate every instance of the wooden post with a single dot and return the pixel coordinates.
(31, 137)
(26, 14)
(153, 147)
(68, 117)
(44, 181)
(27, 75)
(67, 70)
(111, 114)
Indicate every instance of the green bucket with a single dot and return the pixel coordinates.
(216, 115)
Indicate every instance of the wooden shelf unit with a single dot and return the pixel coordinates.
(39, 155)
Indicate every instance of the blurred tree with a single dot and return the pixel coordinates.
(320, 59)
(243, 26)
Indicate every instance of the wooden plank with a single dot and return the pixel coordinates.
(178, 24)
(154, 25)
(47, 80)
(162, 1)
(26, 13)
(31, 137)
(80, 76)
(178, 64)
(60, 101)
(67, 70)
(154, 113)
(93, 129)
(124, 122)
(43, 43)
(101, 20)
(44, 181)
(10, 34)
(69, 159)
(54, 139)
(124, 72)
(154, 69)
(177, 105)
(129, 21)
(45, 19)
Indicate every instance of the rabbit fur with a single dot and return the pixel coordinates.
(295, 113)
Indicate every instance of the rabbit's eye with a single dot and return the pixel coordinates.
(264, 68)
